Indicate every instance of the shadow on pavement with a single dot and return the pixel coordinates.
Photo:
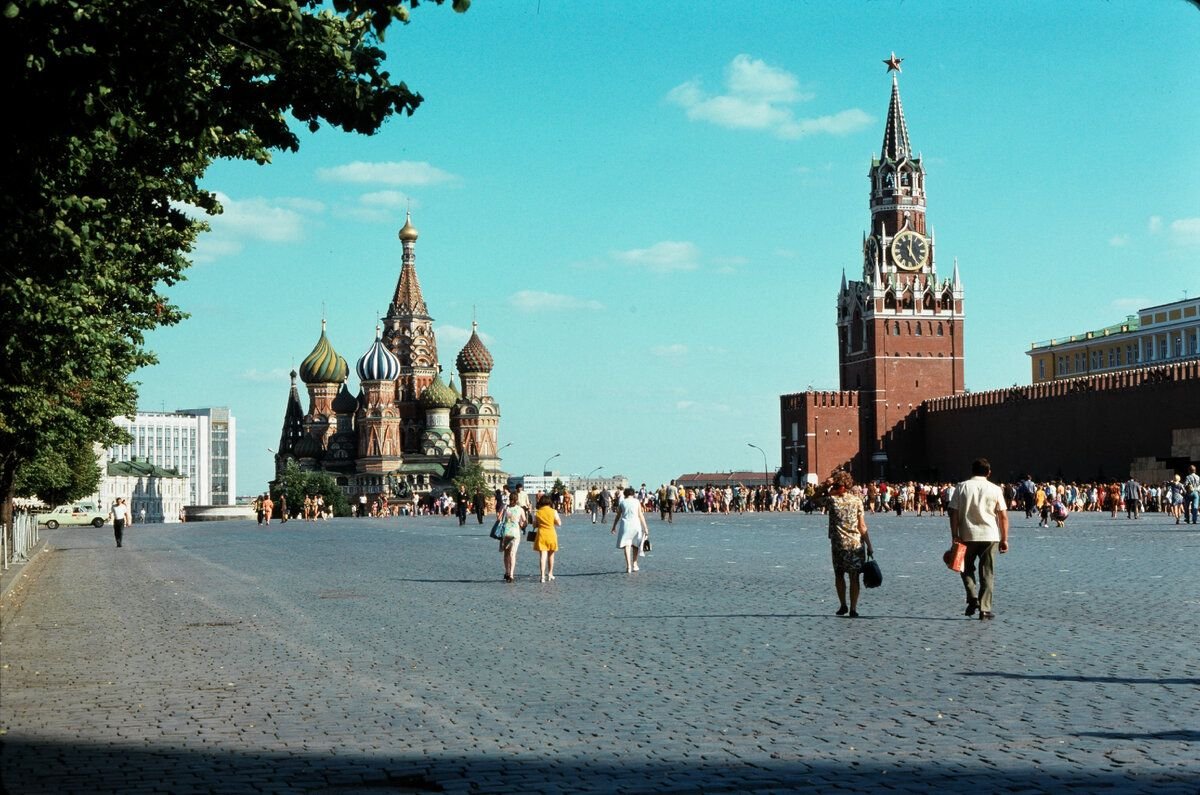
(805, 615)
(65, 768)
(1104, 680)
(1177, 735)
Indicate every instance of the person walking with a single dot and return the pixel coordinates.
(512, 516)
(1132, 491)
(283, 509)
(120, 516)
(628, 516)
(605, 501)
(461, 505)
(1191, 497)
(546, 521)
(979, 520)
(268, 509)
(847, 539)
(478, 505)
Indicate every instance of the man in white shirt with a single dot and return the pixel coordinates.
(978, 519)
(120, 515)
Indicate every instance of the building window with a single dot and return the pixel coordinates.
(939, 330)
(1041, 369)
(1112, 357)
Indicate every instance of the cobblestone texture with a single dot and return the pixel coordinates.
(362, 656)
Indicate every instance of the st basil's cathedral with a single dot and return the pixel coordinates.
(406, 431)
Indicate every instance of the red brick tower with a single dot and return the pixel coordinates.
(900, 329)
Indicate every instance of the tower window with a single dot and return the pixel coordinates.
(896, 324)
(939, 330)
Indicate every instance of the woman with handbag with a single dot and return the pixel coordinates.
(632, 521)
(545, 522)
(847, 538)
(512, 517)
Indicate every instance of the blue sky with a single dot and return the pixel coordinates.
(648, 207)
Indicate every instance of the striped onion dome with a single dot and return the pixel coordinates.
(475, 357)
(437, 395)
(324, 365)
(378, 363)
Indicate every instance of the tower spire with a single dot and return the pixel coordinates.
(895, 135)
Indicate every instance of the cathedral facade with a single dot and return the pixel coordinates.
(406, 431)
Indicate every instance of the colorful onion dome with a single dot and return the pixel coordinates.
(324, 365)
(378, 363)
(344, 403)
(437, 395)
(408, 231)
(475, 357)
(307, 447)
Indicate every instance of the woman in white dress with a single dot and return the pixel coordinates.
(633, 530)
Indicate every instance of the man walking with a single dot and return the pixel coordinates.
(978, 519)
(1133, 498)
(1191, 496)
(120, 515)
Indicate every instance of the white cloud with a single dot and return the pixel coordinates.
(1154, 225)
(404, 172)
(684, 405)
(1186, 231)
(1118, 241)
(537, 301)
(453, 338)
(758, 96)
(381, 206)
(668, 255)
(670, 351)
(256, 219)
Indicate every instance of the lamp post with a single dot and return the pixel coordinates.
(766, 482)
(588, 479)
(545, 466)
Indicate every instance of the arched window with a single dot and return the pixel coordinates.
(896, 325)
(939, 329)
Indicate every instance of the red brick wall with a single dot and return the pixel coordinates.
(828, 426)
(1077, 429)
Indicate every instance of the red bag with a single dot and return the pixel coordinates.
(955, 557)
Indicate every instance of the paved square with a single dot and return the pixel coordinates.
(388, 656)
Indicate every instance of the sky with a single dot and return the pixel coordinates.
(648, 208)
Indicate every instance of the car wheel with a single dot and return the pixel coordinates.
(97, 522)
(51, 525)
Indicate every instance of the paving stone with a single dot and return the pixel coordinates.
(362, 655)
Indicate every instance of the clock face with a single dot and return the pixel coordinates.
(909, 250)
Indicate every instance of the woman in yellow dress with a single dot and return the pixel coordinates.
(545, 521)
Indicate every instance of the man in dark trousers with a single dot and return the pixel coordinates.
(978, 519)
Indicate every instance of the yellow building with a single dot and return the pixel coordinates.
(1156, 335)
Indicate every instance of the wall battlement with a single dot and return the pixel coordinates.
(843, 398)
(1101, 382)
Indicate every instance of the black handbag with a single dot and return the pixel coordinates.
(498, 530)
(871, 573)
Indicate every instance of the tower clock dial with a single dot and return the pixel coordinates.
(910, 251)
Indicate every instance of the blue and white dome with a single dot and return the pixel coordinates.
(378, 363)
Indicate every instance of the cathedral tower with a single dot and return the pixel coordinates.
(323, 372)
(476, 416)
(378, 417)
(900, 329)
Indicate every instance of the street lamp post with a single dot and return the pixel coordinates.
(545, 466)
(766, 482)
(588, 479)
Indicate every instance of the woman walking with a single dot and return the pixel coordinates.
(633, 529)
(847, 538)
(545, 521)
(512, 516)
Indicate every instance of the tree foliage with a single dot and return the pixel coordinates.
(121, 107)
(473, 479)
(60, 473)
(296, 484)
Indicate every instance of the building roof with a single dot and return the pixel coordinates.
(700, 479)
(895, 134)
(139, 468)
(475, 357)
(324, 365)
(378, 363)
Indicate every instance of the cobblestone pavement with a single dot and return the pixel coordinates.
(358, 656)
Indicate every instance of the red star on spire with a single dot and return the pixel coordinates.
(893, 63)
